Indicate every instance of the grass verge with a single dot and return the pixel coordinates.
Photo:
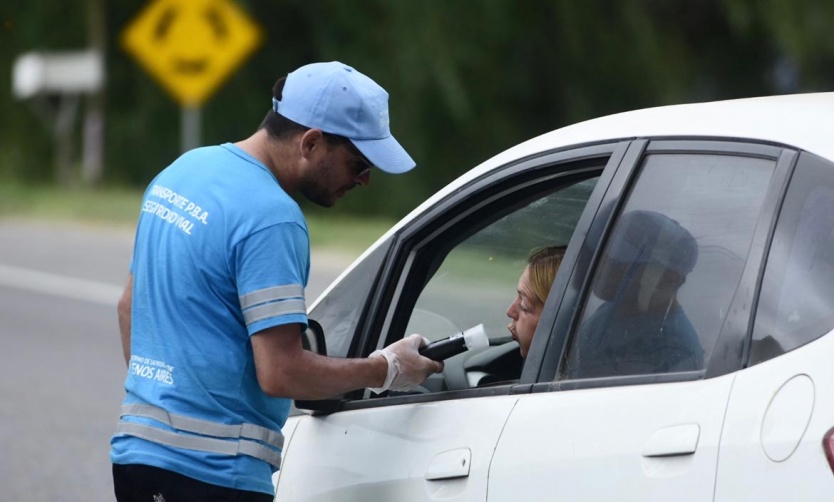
(119, 207)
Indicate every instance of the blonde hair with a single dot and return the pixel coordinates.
(542, 266)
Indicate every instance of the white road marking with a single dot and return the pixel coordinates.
(60, 285)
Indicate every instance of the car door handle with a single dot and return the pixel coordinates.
(673, 441)
(450, 464)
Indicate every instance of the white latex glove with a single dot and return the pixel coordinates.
(406, 367)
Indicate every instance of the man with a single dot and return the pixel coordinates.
(640, 328)
(213, 310)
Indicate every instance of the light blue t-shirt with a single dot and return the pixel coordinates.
(221, 253)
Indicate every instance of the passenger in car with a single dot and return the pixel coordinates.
(533, 287)
(641, 327)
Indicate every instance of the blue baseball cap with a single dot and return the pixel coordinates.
(339, 100)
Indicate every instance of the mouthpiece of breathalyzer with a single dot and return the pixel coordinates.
(472, 338)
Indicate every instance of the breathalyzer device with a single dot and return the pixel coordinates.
(472, 338)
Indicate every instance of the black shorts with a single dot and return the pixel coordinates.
(142, 483)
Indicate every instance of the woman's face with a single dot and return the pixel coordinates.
(524, 313)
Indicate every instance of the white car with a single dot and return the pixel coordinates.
(731, 397)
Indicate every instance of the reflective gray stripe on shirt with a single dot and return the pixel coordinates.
(274, 309)
(201, 443)
(206, 428)
(274, 294)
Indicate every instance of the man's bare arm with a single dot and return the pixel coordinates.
(285, 369)
(123, 310)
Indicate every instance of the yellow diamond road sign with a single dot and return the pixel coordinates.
(191, 46)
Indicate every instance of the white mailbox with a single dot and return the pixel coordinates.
(75, 72)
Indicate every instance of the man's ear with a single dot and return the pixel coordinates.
(312, 142)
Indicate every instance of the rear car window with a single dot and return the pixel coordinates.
(797, 298)
(670, 266)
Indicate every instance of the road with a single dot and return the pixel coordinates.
(62, 372)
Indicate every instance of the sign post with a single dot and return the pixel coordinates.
(190, 47)
(69, 76)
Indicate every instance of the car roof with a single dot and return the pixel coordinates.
(802, 121)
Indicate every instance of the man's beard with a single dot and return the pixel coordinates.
(317, 195)
(315, 187)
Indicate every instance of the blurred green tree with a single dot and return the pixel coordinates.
(467, 78)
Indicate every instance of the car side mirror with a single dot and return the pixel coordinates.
(313, 340)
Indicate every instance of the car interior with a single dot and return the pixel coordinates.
(469, 276)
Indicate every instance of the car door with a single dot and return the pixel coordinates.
(647, 332)
(453, 266)
(773, 446)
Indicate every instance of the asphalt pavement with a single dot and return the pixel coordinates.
(62, 372)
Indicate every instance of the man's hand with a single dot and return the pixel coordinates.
(406, 367)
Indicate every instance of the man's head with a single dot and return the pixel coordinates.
(343, 102)
(340, 118)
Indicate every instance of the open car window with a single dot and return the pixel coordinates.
(469, 274)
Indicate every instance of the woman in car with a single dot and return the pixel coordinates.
(533, 287)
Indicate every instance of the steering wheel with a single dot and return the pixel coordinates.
(493, 364)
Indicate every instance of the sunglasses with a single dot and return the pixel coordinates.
(361, 164)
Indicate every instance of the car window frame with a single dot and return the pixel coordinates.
(517, 175)
(737, 327)
(802, 158)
